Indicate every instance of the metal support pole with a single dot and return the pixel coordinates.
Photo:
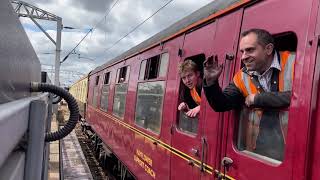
(47, 147)
(58, 50)
(36, 135)
(24, 9)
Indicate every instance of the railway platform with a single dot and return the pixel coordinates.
(67, 160)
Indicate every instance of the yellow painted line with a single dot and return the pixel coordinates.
(229, 177)
(162, 144)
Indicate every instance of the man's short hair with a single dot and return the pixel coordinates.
(187, 65)
(264, 37)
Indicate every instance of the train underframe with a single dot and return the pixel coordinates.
(107, 159)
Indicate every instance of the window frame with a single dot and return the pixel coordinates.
(178, 116)
(96, 86)
(159, 65)
(163, 100)
(127, 74)
(109, 78)
(158, 78)
(236, 114)
(126, 81)
(103, 85)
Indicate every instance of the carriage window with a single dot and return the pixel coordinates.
(123, 74)
(105, 92)
(119, 101)
(142, 69)
(106, 78)
(97, 80)
(154, 67)
(95, 93)
(163, 64)
(149, 105)
(262, 133)
(190, 97)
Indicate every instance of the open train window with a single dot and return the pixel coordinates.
(105, 92)
(106, 78)
(123, 74)
(97, 80)
(191, 74)
(262, 133)
(119, 101)
(154, 67)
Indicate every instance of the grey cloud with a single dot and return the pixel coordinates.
(123, 18)
(95, 6)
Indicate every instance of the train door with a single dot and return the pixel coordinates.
(313, 165)
(288, 21)
(150, 117)
(224, 48)
(187, 133)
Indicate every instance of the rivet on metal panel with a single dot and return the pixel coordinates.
(195, 151)
(155, 142)
(310, 42)
(191, 162)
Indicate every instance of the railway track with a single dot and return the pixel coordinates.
(96, 170)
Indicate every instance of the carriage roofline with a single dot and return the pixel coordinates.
(201, 16)
(81, 79)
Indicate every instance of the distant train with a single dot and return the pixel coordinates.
(132, 100)
(80, 89)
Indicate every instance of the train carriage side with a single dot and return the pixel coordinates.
(295, 33)
(141, 110)
(133, 115)
(133, 102)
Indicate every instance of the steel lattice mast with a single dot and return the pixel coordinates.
(24, 9)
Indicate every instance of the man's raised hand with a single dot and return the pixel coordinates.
(212, 70)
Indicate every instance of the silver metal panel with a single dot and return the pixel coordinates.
(19, 63)
(14, 117)
(14, 167)
(37, 129)
(47, 147)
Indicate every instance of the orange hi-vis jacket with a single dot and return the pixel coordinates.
(247, 85)
(195, 96)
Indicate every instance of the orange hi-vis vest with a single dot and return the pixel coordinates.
(195, 96)
(244, 82)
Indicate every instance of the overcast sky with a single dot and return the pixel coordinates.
(85, 14)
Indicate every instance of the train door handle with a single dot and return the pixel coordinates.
(226, 162)
(195, 151)
(204, 146)
(230, 56)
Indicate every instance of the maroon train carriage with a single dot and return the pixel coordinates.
(132, 99)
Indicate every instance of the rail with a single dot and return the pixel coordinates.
(23, 151)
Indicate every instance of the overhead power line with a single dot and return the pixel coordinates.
(90, 30)
(107, 13)
(138, 26)
(65, 58)
(115, 43)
